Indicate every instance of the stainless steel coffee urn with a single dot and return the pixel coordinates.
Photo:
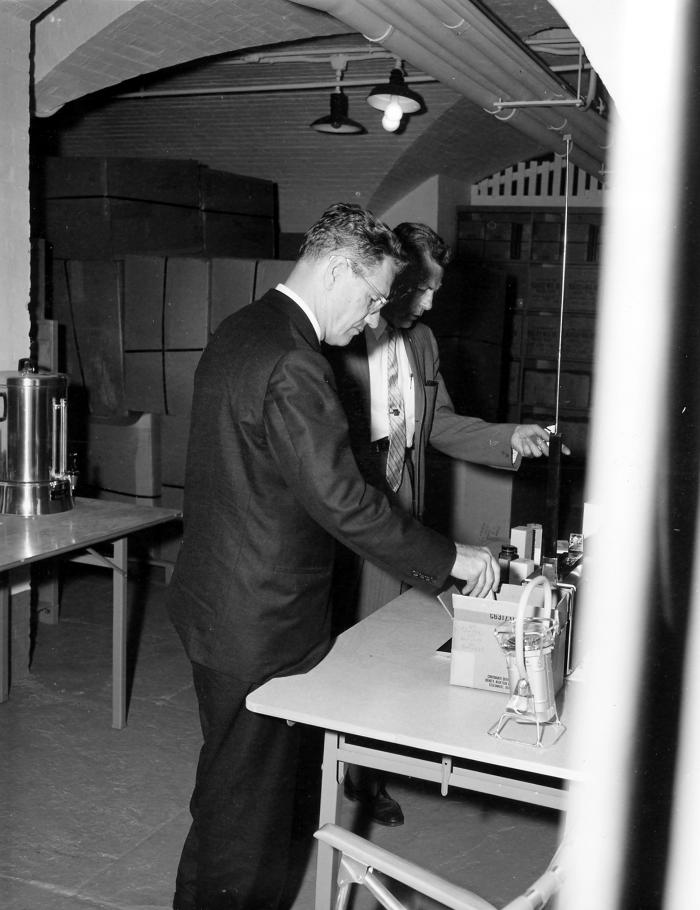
(34, 474)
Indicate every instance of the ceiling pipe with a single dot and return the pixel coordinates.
(534, 76)
(309, 55)
(262, 87)
(485, 33)
(482, 40)
(429, 43)
(453, 71)
(493, 42)
(581, 103)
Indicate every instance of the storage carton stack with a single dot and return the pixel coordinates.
(136, 293)
(168, 306)
(106, 208)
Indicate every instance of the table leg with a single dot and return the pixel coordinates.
(119, 632)
(330, 803)
(46, 579)
(4, 636)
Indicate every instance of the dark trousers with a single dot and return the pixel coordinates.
(237, 851)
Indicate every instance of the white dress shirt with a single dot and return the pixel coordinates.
(377, 345)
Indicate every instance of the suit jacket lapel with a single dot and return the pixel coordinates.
(417, 365)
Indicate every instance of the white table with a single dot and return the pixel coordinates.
(383, 681)
(77, 531)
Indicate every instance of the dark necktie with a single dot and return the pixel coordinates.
(397, 423)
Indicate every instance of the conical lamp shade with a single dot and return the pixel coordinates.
(397, 91)
(337, 121)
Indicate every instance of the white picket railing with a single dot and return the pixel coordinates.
(538, 182)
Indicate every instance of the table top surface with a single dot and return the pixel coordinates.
(384, 680)
(89, 522)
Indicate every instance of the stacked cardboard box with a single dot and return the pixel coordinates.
(133, 331)
(104, 208)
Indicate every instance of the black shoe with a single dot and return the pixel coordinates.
(380, 807)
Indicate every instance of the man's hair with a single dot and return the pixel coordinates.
(350, 230)
(419, 239)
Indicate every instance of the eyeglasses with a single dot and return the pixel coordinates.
(378, 299)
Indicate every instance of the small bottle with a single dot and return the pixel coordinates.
(505, 557)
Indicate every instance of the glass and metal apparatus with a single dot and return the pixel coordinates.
(528, 645)
(35, 478)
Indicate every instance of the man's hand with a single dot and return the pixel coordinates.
(478, 568)
(531, 441)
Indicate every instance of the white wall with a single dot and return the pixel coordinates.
(434, 203)
(14, 191)
(451, 194)
(421, 204)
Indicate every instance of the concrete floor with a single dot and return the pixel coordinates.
(93, 817)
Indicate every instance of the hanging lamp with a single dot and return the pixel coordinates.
(395, 98)
(337, 121)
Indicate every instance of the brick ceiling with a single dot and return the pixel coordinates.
(184, 42)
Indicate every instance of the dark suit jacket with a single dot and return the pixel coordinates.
(270, 482)
(437, 424)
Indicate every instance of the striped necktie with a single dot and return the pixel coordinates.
(397, 423)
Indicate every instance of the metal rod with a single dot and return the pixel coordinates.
(567, 139)
(555, 102)
(270, 87)
(550, 531)
(63, 452)
(54, 438)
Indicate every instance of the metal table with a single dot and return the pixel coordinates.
(385, 682)
(74, 534)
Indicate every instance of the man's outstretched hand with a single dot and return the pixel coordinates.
(532, 441)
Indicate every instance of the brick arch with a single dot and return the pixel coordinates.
(156, 34)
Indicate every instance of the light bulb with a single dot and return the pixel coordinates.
(392, 116)
(390, 125)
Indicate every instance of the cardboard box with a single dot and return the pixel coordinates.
(79, 228)
(186, 315)
(223, 191)
(154, 227)
(144, 282)
(94, 313)
(271, 272)
(477, 660)
(124, 455)
(167, 180)
(175, 432)
(144, 381)
(233, 234)
(106, 228)
(180, 367)
(232, 284)
(485, 503)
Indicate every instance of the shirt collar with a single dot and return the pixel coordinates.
(381, 328)
(297, 299)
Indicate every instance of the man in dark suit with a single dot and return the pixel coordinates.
(428, 415)
(270, 483)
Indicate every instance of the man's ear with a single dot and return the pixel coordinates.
(336, 269)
